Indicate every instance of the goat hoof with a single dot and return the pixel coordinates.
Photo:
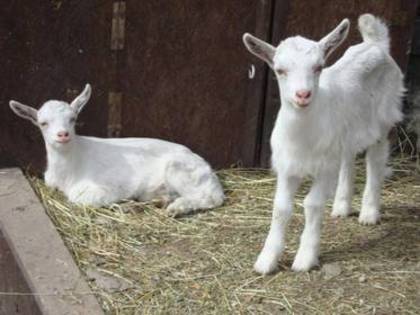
(340, 213)
(178, 207)
(304, 263)
(266, 264)
(174, 212)
(369, 218)
(341, 210)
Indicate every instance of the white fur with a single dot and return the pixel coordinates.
(353, 105)
(98, 172)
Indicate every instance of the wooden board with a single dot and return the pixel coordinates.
(187, 76)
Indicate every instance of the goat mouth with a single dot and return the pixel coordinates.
(63, 141)
(301, 104)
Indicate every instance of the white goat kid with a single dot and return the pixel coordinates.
(327, 116)
(96, 171)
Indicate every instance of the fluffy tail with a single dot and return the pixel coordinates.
(374, 30)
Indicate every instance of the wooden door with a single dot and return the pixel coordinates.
(186, 76)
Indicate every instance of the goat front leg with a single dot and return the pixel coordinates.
(51, 179)
(345, 187)
(376, 159)
(267, 261)
(87, 193)
(307, 255)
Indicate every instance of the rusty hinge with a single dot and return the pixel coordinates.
(118, 26)
(114, 114)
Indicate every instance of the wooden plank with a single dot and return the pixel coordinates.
(118, 25)
(256, 90)
(46, 264)
(272, 98)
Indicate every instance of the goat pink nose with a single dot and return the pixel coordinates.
(63, 134)
(304, 94)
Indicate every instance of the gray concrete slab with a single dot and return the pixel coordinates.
(45, 262)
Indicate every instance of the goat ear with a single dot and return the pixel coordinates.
(80, 101)
(24, 111)
(259, 48)
(330, 42)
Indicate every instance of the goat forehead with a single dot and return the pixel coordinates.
(297, 51)
(53, 109)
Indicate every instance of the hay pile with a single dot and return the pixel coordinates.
(140, 261)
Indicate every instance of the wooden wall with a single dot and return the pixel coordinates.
(169, 69)
(181, 73)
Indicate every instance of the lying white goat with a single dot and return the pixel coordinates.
(97, 172)
(327, 116)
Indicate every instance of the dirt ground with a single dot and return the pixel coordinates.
(140, 261)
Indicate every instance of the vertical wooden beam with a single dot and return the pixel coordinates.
(257, 75)
(117, 45)
(118, 26)
(272, 98)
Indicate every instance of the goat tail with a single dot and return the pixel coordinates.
(374, 30)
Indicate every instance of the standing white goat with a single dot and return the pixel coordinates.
(97, 171)
(327, 116)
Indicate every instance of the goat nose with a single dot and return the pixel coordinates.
(304, 94)
(63, 134)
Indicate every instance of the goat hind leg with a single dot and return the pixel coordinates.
(196, 185)
(345, 188)
(376, 159)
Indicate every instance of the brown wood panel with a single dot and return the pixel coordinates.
(15, 295)
(186, 76)
(313, 19)
(50, 49)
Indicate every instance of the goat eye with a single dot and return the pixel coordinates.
(72, 120)
(318, 69)
(43, 124)
(281, 71)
